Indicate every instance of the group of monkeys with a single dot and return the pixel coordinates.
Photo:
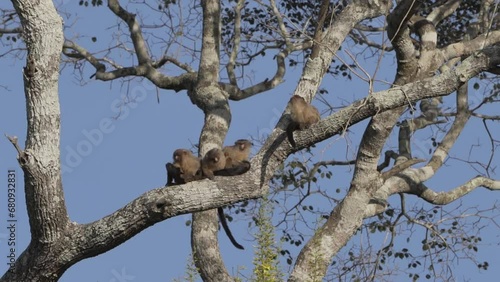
(230, 161)
(233, 160)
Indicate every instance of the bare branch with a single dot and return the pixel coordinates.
(443, 198)
(281, 25)
(16, 30)
(466, 48)
(400, 167)
(483, 116)
(13, 140)
(207, 95)
(492, 142)
(236, 42)
(140, 47)
(178, 83)
(362, 38)
(316, 166)
(463, 115)
(387, 159)
(82, 53)
(168, 59)
(443, 11)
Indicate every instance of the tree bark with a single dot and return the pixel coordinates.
(208, 96)
(40, 161)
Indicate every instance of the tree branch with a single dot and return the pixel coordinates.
(441, 152)
(466, 48)
(440, 13)
(236, 42)
(135, 31)
(381, 101)
(160, 204)
(443, 198)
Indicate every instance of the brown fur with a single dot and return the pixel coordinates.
(213, 160)
(237, 153)
(188, 164)
(302, 115)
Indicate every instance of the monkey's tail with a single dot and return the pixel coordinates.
(289, 132)
(236, 169)
(222, 219)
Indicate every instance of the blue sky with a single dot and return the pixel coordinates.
(111, 160)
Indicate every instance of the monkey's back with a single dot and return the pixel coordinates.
(311, 115)
(190, 165)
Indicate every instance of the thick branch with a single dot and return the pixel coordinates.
(381, 101)
(466, 48)
(159, 204)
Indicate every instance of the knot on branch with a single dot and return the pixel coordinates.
(161, 207)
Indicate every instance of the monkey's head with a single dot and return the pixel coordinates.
(243, 144)
(297, 99)
(214, 155)
(180, 153)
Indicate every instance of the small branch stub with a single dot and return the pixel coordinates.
(20, 152)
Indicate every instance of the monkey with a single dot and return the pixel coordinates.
(212, 161)
(189, 165)
(237, 153)
(302, 116)
(174, 173)
(186, 168)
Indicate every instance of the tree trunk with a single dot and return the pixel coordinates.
(40, 161)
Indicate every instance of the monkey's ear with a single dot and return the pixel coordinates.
(237, 169)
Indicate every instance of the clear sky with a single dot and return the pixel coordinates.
(106, 169)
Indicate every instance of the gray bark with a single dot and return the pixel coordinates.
(57, 243)
(48, 218)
